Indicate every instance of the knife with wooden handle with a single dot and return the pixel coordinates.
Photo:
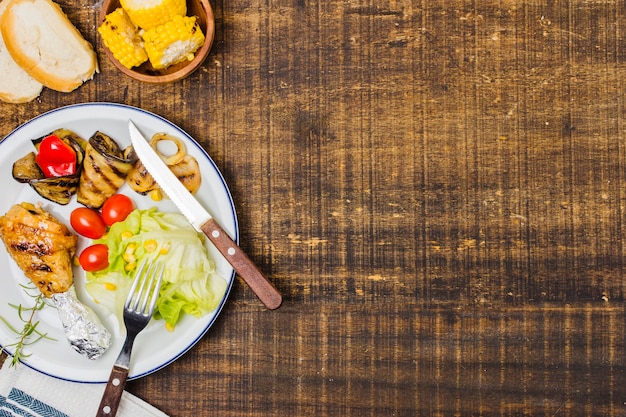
(202, 221)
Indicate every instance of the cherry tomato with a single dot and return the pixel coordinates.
(94, 258)
(88, 223)
(116, 209)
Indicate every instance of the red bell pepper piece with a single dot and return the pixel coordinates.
(55, 157)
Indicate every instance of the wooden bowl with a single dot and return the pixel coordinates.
(145, 72)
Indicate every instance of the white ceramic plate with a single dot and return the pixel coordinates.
(155, 347)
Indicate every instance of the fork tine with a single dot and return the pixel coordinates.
(149, 283)
(157, 288)
(136, 281)
(145, 284)
(155, 271)
(144, 289)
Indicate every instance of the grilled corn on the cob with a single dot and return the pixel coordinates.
(122, 38)
(173, 42)
(148, 14)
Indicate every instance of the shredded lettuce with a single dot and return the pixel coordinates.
(191, 284)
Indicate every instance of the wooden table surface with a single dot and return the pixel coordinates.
(434, 186)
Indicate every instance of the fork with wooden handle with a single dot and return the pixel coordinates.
(138, 310)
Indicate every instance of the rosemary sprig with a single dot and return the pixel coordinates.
(29, 333)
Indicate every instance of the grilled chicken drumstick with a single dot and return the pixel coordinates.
(42, 247)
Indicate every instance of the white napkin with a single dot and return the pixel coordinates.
(26, 392)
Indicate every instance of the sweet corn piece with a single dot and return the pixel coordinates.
(150, 245)
(122, 38)
(126, 235)
(173, 42)
(148, 14)
(129, 258)
(156, 194)
(110, 286)
(129, 253)
(165, 249)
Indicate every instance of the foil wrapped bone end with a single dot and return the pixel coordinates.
(82, 327)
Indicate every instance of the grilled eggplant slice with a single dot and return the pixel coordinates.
(183, 165)
(104, 171)
(26, 169)
(57, 189)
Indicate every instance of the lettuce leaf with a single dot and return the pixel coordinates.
(191, 284)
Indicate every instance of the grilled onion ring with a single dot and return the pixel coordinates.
(183, 165)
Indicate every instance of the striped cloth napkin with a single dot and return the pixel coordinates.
(28, 393)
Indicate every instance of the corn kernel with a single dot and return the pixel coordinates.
(129, 253)
(151, 13)
(122, 38)
(173, 42)
(129, 258)
(156, 194)
(130, 266)
(110, 286)
(150, 245)
(126, 235)
(169, 327)
(164, 249)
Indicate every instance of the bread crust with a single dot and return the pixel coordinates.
(16, 86)
(20, 97)
(60, 59)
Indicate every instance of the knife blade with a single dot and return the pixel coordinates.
(202, 221)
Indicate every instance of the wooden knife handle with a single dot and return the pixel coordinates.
(243, 265)
(113, 392)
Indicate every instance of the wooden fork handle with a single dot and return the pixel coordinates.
(113, 392)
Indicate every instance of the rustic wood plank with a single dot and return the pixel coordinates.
(382, 359)
(436, 188)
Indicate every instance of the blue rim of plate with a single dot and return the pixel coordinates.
(217, 173)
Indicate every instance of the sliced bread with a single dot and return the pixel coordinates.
(16, 86)
(43, 41)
